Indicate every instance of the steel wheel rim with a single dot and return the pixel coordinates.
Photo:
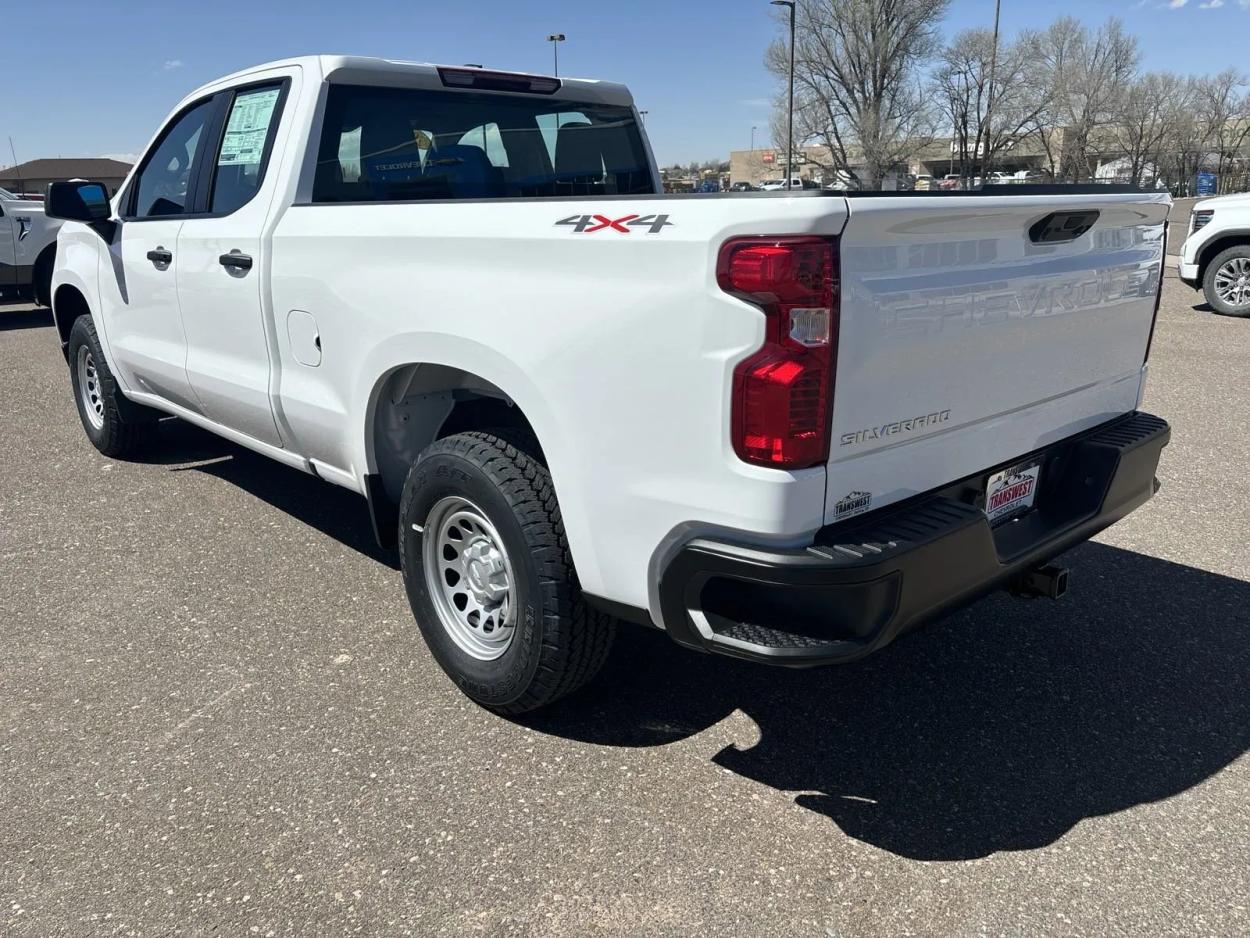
(89, 390)
(468, 575)
(1232, 281)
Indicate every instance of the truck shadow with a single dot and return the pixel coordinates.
(332, 510)
(12, 319)
(999, 729)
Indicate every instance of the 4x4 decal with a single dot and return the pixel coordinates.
(588, 224)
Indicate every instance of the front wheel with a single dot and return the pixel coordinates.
(1227, 281)
(490, 578)
(114, 426)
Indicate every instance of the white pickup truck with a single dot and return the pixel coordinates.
(1215, 257)
(784, 427)
(27, 248)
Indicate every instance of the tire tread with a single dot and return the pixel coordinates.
(576, 636)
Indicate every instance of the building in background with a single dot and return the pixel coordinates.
(938, 159)
(34, 175)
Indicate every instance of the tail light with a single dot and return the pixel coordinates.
(783, 393)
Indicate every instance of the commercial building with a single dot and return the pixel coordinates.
(33, 176)
(938, 159)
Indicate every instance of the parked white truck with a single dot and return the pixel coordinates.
(27, 248)
(785, 427)
(1215, 257)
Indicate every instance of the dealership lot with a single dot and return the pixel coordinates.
(216, 717)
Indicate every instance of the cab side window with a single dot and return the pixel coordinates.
(163, 185)
(241, 157)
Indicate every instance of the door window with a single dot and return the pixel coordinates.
(242, 156)
(163, 185)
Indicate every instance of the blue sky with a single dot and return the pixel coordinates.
(96, 78)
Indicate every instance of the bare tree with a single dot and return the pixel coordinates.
(1142, 127)
(962, 80)
(1223, 108)
(858, 91)
(1089, 75)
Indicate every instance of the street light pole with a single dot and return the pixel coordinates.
(790, 103)
(753, 129)
(989, 98)
(555, 39)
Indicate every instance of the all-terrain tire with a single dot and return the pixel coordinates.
(115, 426)
(559, 642)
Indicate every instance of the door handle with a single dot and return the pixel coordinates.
(161, 256)
(236, 260)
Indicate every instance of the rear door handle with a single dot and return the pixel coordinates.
(236, 260)
(161, 256)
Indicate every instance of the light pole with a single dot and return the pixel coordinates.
(989, 99)
(555, 39)
(644, 114)
(790, 104)
(753, 130)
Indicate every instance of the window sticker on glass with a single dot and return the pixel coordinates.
(248, 126)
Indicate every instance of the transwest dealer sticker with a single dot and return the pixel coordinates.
(1011, 491)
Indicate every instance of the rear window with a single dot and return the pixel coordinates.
(392, 144)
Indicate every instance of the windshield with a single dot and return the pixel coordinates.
(392, 144)
(6, 194)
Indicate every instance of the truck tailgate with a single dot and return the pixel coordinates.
(967, 338)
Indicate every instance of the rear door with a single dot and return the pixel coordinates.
(220, 286)
(977, 328)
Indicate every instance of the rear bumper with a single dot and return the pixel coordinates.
(865, 582)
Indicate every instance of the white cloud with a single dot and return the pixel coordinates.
(171, 64)
(1211, 5)
(1176, 4)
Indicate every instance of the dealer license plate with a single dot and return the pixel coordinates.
(1011, 491)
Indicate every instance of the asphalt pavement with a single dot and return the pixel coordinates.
(217, 718)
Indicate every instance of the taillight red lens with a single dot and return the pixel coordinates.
(783, 393)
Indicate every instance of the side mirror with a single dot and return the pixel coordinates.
(77, 201)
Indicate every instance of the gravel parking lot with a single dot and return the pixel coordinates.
(217, 717)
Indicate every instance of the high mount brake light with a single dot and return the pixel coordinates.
(783, 393)
(483, 80)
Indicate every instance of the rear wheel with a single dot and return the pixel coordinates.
(490, 578)
(1227, 281)
(113, 425)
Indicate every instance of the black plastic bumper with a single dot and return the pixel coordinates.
(864, 582)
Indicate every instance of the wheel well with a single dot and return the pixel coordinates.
(420, 403)
(41, 275)
(67, 306)
(1210, 251)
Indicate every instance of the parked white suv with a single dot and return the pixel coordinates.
(1215, 257)
(786, 428)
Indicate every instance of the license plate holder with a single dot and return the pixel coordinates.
(1012, 491)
